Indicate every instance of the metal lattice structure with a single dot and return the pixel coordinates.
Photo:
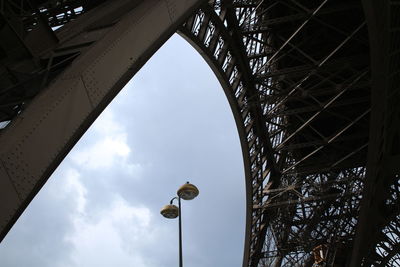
(313, 86)
(306, 173)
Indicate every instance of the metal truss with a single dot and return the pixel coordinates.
(300, 79)
(378, 233)
(27, 36)
(297, 75)
(310, 60)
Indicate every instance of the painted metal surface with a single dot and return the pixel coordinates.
(36, 141)
(297, 76)
(284, 95)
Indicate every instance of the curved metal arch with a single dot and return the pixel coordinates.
(49, 123)
(261, 70)
(84, 97)
(287, 235)
(83, 90)
(208, 34)
(266, 183)
(114, 41)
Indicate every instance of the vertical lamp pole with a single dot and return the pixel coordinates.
(186, 192)
(180, 233)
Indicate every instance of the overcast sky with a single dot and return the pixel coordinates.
(170, 124)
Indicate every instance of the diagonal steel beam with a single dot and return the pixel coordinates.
(324, 107)
(330, 140)
(319, 65)
(293, 35)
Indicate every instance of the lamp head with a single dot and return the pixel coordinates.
(170, 211)
(188, 191)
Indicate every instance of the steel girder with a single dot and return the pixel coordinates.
(207, 31)
(378, 233)
(297, 77)
(75, 76)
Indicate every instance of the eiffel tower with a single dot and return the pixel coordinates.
(312, 84)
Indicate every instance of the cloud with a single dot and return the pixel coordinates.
(74, 185)
(108, 145)
(115, 234)
(37, 239)
(105, 147)
(116, 238)
(105, 153)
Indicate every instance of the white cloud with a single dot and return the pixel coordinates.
(74, 185)
(105, 153)
(115, 235)
(108, 147)
(107, 124)
(115, 238)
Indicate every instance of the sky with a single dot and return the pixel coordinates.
(170, 124)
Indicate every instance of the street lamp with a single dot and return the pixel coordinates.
(187, 192)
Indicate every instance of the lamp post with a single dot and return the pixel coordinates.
(187, 192)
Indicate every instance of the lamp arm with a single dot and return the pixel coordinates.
(172, 200)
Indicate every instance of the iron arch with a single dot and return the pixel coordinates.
(297, 77)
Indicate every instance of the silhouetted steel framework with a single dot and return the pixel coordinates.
(313, 86)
